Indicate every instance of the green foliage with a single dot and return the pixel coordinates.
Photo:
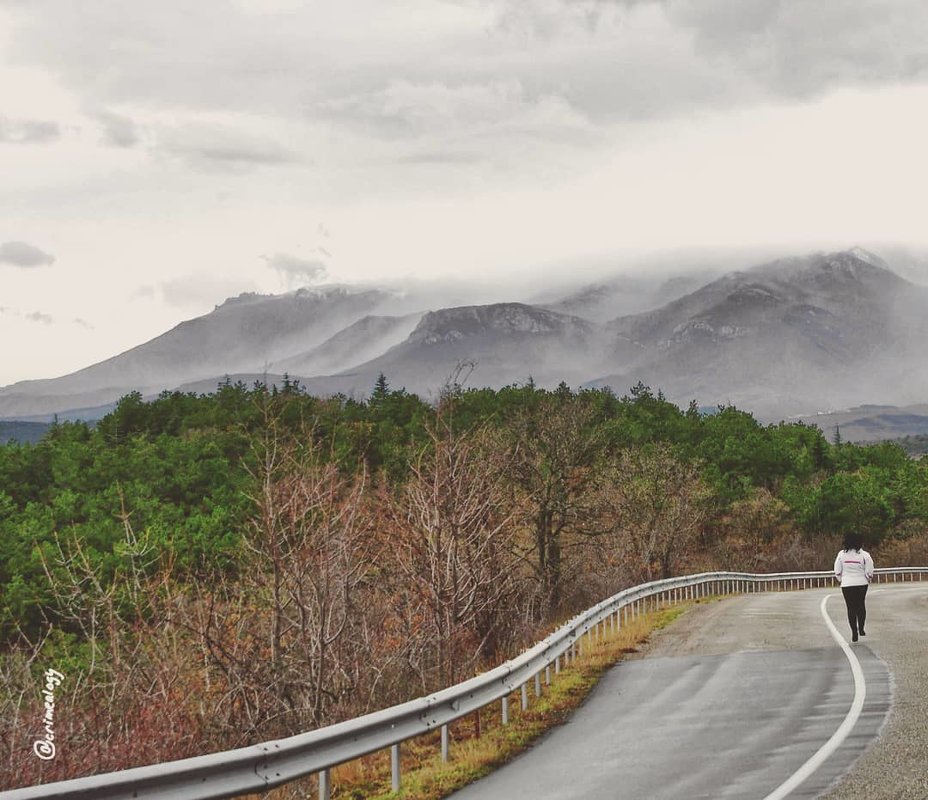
(178, 466)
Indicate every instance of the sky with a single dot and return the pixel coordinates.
(156, 158)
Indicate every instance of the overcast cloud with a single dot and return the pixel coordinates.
(221, 147)
(295, 271)
(27, 131)
(38, 316)
(23, 254)
(163, 145)
(197, 291)
(117, 130)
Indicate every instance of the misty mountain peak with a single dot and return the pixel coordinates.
(870, 258)
(449, 324)
(242, 299)
(797, 332)
(818, 270)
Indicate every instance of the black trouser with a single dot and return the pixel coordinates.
(854, 597)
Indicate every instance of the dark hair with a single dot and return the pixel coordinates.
(853, 541)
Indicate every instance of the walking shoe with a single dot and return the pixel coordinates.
(863, 632)
(854, 636)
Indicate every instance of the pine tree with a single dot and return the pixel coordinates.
(381, 388)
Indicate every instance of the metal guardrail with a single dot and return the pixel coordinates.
(261, 767)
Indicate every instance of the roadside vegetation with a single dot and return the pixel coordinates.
(212, 571)
(481, 745)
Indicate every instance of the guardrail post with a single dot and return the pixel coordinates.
(325, 785)
(506, 710)
(547, 674)
(395, 768)
(537, 684)
(557, 665)
(445, 744)
(525, 697)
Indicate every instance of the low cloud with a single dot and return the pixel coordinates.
(118, 131)
(146, 292)
(25, 255)
(200, 291)
(38, 316)
(28, 131)
(83, 323)
(295, 271)
(436, 114)
(213, 147)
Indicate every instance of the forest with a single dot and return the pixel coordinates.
(215, 570)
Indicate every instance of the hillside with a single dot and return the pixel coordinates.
(507, 342)
(22, 432)
(244, 334)
(792, 336)
(361, 341)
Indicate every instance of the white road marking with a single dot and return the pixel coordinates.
(860, 692)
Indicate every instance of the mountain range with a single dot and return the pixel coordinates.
(792, 336)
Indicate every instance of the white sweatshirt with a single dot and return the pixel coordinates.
(854, 567)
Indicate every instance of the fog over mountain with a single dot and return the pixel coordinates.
(359, 342)
(506, 343)
(790, 336)
(820, 331)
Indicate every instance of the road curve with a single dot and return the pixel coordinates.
(734, 698)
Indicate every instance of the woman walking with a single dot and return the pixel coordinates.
(854, 568)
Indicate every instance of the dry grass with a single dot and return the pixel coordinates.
(474, 753)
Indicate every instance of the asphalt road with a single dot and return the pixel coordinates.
(737, 696)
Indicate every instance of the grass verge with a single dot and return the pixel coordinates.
(481, 743)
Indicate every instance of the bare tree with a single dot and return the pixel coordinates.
(281, 636)
(452, 528)
(555, 450)
(658, 504)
